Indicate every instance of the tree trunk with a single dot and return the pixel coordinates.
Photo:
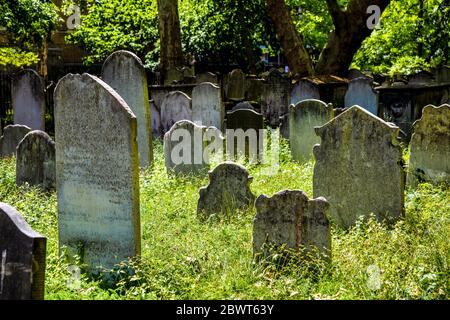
(291, 41)
(170, 36)
(350, 31)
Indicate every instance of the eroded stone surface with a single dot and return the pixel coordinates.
(207, 106)
(175, 107)
(228, 191)
(275, 97)
(289, 218)
(430, 147)
(28, 98)
(12, 135)
(125, 73)
(303, 118)
(97, 172)
(35, 163)
(22, 258)
(359, 168)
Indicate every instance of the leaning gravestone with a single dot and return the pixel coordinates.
(207, 106)
(28, 98)
(12, 135)
(236, 85)
(125, 73)
(303, 118)
(97, 172)
(359, 168)
(289, 218)
(175, 107)
(304, 90)
(183, 148)
(430, 147)
(35, 163)
(228, 191)
(22, 258)
(275, 97)
(243, 134)
(361, 93)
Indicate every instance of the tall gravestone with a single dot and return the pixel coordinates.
(183, 148)
(125, 73)
(304, 90)
(176, 106)
(289, 218)
(430, 147)
(275, 97)
(12, 135)
(35, 162)
(361, 93)
(236, 85)
(28, 98)
(22, 258)
(359, 168)
(228, 191)
(97, 172)
(207, 106)
(303, 118)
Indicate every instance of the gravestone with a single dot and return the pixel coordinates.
(361, 93)
(183, 148)
(125, 73)
(97, 172)
(243, 105)
(289, 218)
(303, 118)
(173, 76)
(275, 97)
(12, 135)
(354, 74)
(359, 168)
(175, 107)
(35, 163)
(28, 99)
(236, 85)
(22, 258)
(155, 119)
(228, 191)
(304, 90)
(430, 147)
(254, 89)
(207, 106)
(244, 123)
(207, 77)
(442, 74)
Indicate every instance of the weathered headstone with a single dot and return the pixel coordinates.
(207, 77)
(125, 73)
(97, 172)
(22, 258)
(359, 168)
(275, 97)
(355, 73)
(175, 107)
(155, 119)
(304, 90)
(173, 76)
(303, 118)
(35, 163)
(289, 218)
(12, 135)
(207, 106)
(361, 93)
(244, 124)
(430, 147)
(183, 148)
(236, 85)
(28, 98)
(228, 191)
(243, 105)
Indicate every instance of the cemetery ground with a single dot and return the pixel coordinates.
(185, 258)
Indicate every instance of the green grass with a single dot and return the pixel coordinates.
(183, 258)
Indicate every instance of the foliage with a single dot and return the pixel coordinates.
(183, 258)
(17, 58)
(409, 40)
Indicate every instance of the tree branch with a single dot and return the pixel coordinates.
(336, 12)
